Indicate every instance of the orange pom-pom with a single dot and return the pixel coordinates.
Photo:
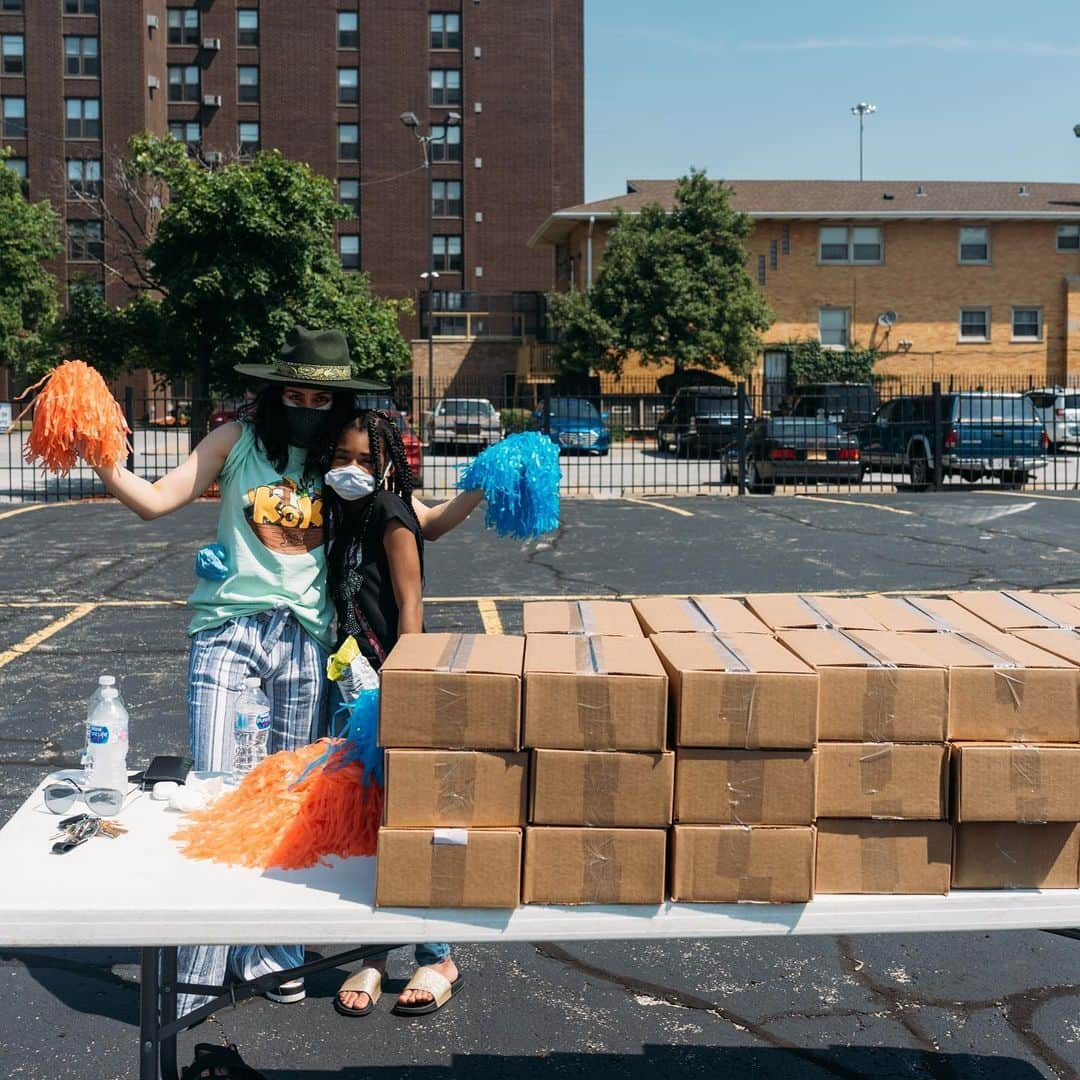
(75, 416)
(270, 820)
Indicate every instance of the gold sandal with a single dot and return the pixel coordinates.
(367, 980)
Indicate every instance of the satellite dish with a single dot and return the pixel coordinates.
(887, 319)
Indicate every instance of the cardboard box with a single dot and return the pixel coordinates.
(1020, 783)
(1003, 689)
(1019, 610)
(1000, 855)
(453, 692)
(612, 618)
(883, 780)
(745, 787)
(459, 788)
(1062, 643)
(899, 613)
(594, 866)
(728, 864)
(594, 693)
(944, 614)
(883, 857)
(601, 788)
(741, 691)
(697, 614)
(788, 611)
(875, 685)
(448, 868)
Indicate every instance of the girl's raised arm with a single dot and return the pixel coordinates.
(177, 488)
(436, 521)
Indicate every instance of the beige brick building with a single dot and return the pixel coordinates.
(983, 278)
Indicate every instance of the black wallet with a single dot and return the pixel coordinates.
(165, 767)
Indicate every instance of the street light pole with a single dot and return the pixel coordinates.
(862, 110)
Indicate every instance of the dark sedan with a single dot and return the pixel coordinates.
(798, 450)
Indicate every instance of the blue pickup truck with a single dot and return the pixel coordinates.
(983, 435)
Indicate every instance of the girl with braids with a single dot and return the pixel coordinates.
(376, 569)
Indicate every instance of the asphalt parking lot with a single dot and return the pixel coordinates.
(86, 588)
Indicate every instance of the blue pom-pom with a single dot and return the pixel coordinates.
(357, 722)
(520, 478)
(211, 562)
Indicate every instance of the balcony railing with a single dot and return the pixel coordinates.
(471, 315)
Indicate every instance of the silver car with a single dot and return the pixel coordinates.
(1059, 411)
(463, 422)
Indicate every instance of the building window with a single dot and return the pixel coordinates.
(1027, 324)
(184, 82)
(1068, 238)
(183, 26)
(81, 7)
(14, 118)
(84, 177)
(18, 166)
(86, 241)
(447, 252)
(87, 286)
(834, 327)
(83, 118)
(975, 324)
(12, 59)
(975, 245)
(348, 86)
(81, 56)
(349, 194)
(785, 239)
(249, 139)
(859, 244)
(761, 269)
(348, 138)
(187, 131)
(445, 86)
(349, 246)
(446, 198)
(445, 29)
(348, 30)
(11, 5)
(247, 27)
(247, 84)
(774, 254)
(445, 142)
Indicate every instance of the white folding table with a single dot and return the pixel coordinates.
(138, 890)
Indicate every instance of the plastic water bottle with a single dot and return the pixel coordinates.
(252, 729)
(108, 742)
(91, 705)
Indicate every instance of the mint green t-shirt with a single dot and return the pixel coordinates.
(271, 527)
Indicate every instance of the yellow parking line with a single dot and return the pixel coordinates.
(1075, 499)
(32, 507)
(859, 502)
(28, 644)
(489, 614)
(659, 506)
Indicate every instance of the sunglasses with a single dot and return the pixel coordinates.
(61, 796)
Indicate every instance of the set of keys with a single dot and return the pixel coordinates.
(80, 828)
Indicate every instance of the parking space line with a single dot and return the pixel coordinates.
(31, 642)
(659, 506)
(1075, 499)
(489, 616)
(32, 507)
(859, 502)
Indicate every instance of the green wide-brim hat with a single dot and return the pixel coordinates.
(318, 358)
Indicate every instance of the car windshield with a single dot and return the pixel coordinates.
(465, 408)
(1071, 401)
(574, 409)
(996, 407)
(712, 406)
(802, 429)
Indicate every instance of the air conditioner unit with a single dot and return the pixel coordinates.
(153, 82)
(152, 22)
(212, 101)
(213, 44)
(214, 157)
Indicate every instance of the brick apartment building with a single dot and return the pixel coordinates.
(323, 81)
(984, 278)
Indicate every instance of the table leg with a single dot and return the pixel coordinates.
(169, 1069)
(149, 1014)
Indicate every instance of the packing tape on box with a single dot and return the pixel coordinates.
(593, 696)
(879, 863)
(820, 616)
(746, 789)
(1026, 784)
(881, 692)
(456, 653)
(738, 698)
(601, 877)
(449, 854)
(455, 786)
(875, 775)
(1026, 605)
(451, 706)
(586, 615)
(699, 618)
(732, 864)
(599, 788)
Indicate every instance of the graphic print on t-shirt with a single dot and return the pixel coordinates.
(286, 517)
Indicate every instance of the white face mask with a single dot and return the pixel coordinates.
(351, 482)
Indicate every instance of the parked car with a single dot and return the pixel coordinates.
(701, 420)
(574, 424)
(983, 434)
(414, 451)
(797, 449)
(373, 399)
(463, 422)
(847, 404)
(1059, 411)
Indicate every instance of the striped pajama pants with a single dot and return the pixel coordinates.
(292, 665)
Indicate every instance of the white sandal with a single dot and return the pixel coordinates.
(288, 993)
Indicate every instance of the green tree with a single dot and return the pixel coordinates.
(237, 256)
(29, 235)
(673, 287)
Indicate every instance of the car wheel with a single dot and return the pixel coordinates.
(919, 471)
(755, 485)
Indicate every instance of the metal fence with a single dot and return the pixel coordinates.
(898, 434)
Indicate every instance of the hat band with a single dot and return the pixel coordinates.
(313, 372)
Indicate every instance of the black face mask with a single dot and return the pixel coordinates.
(304, 424)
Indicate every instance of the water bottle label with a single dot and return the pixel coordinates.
(252, 722)
(99, 735)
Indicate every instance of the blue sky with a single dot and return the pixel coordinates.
(965, 89)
